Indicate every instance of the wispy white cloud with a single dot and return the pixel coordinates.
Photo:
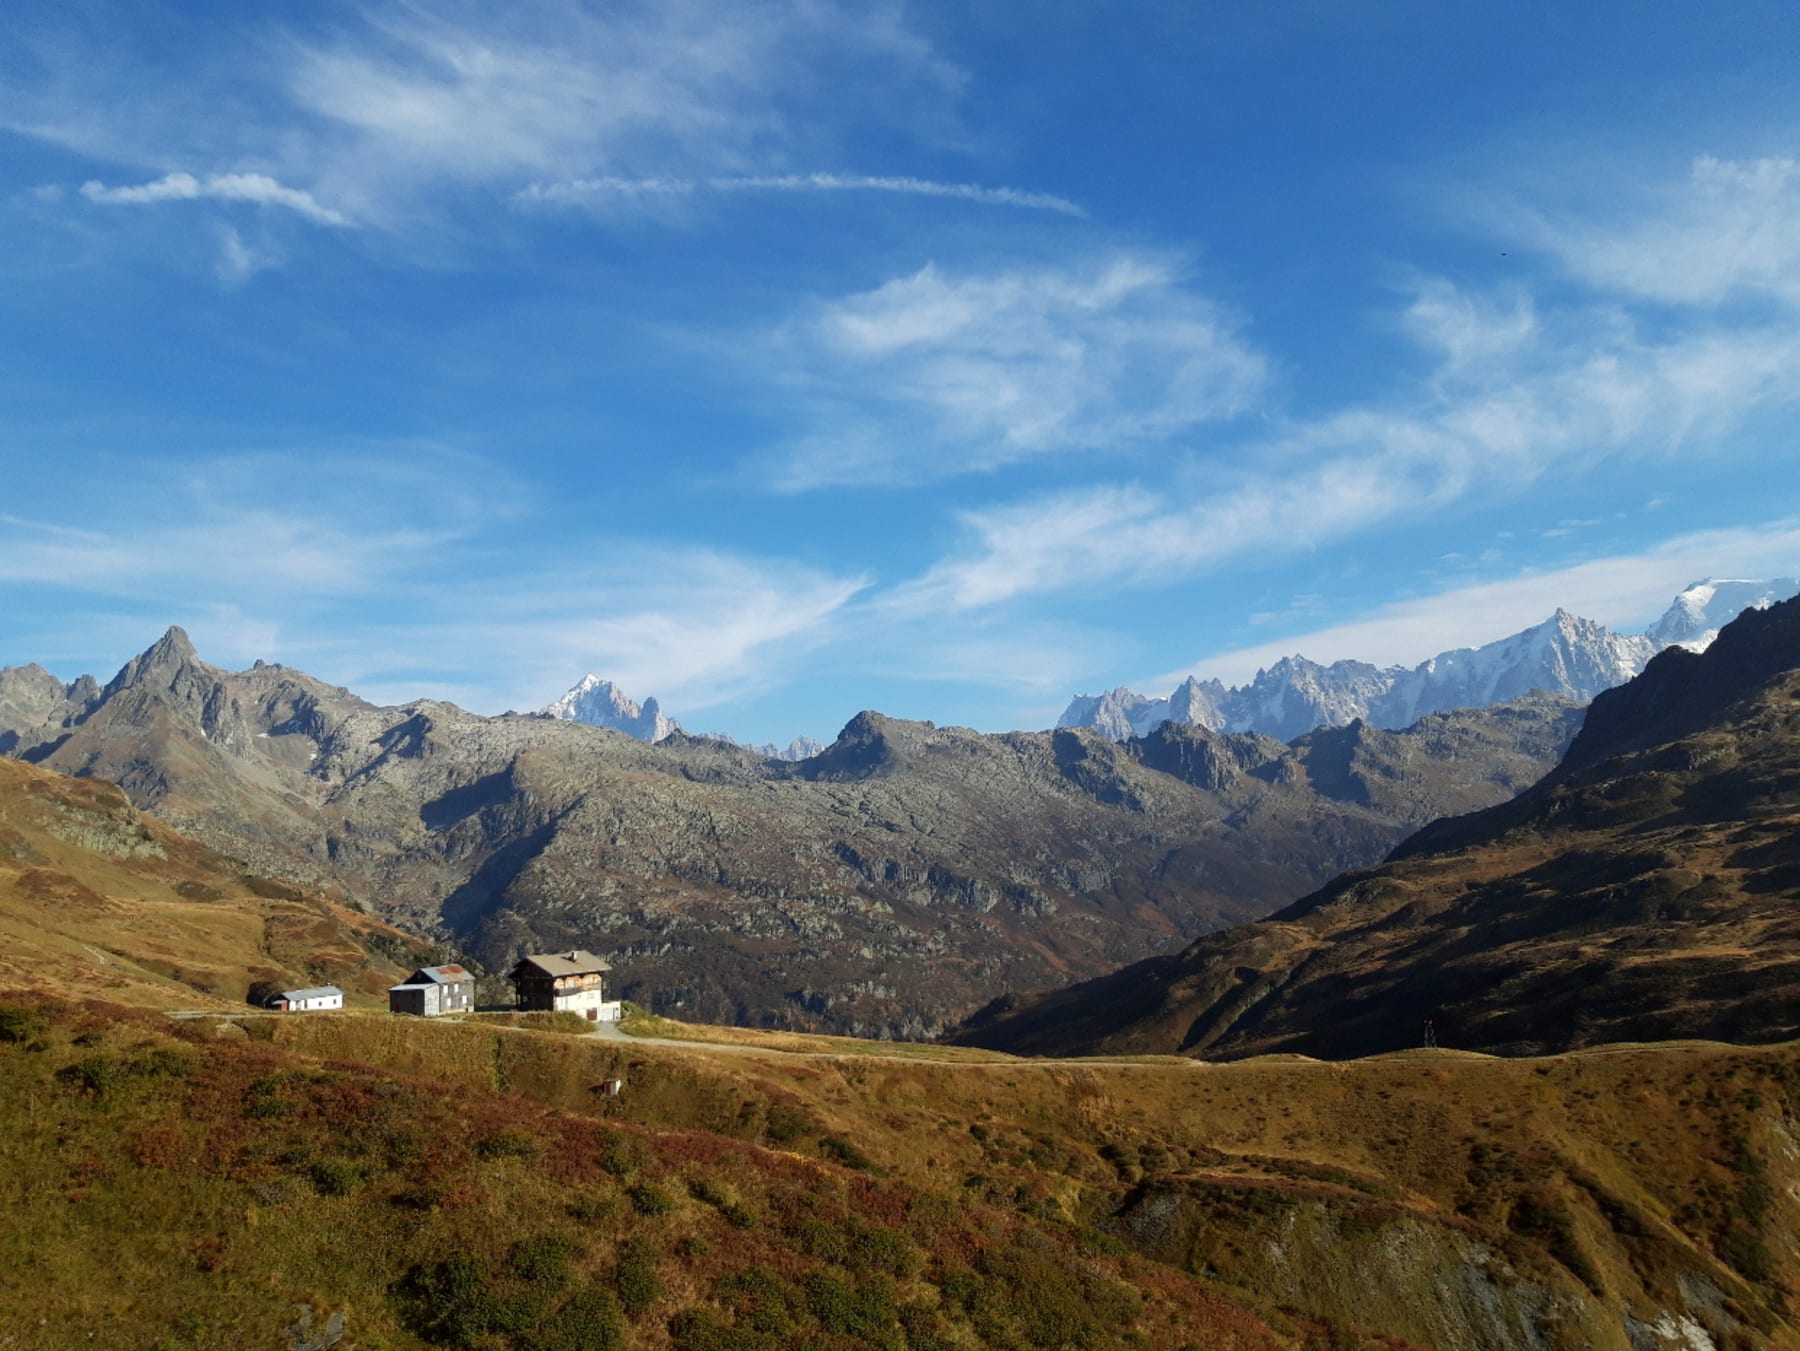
(1730, 228)
(388, 115)
(238, 260)
(609, 191)
(939, 373)
(694, 626)
(396, 574)
(1466, 330)
(1626, 591)
(257, 189)
(1583, 390)
(321, 524)
(455, 96)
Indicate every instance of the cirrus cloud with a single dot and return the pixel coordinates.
(1728, 229)
(940, 373)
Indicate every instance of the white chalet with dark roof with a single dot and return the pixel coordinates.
(564, 982)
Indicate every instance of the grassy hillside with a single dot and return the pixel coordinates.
(96, 897)
(194, 1184)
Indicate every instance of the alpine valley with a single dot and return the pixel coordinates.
(889, 884)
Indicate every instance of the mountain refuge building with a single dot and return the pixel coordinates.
(564, 982)
(434, 990)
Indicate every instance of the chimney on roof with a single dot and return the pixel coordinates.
(572, 956)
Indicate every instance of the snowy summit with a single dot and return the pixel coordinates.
(600, 703)
(1566, 655)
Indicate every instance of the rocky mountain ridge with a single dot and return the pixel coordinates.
(887, 884)
(1567, 656)
(1645, 889)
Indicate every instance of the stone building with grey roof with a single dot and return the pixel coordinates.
(434, 990)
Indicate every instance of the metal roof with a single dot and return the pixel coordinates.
(578, 962)
(447, 974)
(393, 988)
(314, 992)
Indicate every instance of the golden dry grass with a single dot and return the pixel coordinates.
(637, 1023)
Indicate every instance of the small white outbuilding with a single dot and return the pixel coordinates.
(309, 1000)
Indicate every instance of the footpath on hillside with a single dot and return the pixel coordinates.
(613, 1032)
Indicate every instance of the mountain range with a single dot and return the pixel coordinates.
(1567, 656)
(1644, 890)
(888, 884)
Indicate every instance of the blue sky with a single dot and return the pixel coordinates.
(791, 359)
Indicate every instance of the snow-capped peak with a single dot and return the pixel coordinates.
(600, 703)
(1695, 617)
(1565, 655)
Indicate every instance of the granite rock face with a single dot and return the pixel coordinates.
(886, 884)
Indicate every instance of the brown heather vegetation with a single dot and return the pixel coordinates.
(165, 1186)
(190, 1184)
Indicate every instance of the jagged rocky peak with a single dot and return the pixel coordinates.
(1566, 656)
(33, 682)
(1120, 714)
(167, 655)
(1210, 760)
(32, 700)
(600, 703)
(1198, 703)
